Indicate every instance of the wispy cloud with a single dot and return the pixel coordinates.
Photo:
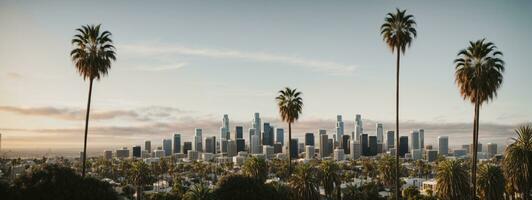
(165, 67)
(314, 64)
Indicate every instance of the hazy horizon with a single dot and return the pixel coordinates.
(182, 65)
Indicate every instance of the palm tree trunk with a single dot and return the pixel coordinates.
(397, 127)
(139, 192)
(86, 129)
(289, 148)
(475, 149)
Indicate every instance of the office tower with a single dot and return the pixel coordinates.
(187, 146)
(421, 138)
(122, 153)
(268, 151)
(136, 151)
(339, 155)
(414, 140)
(277, 148)
(390, 141)
(107, 154)
(294, 148)
(380, 133)
(210, 144)
(358, 127)
(339, 127)
(479, 147)
(355, 149)
(330, 146)
(309, 139)
(231, 148)
(255, 144)
(309, 152)
(417, 154)
(466, 147)
(193, 155)
(492, 149)
(147, 145)
(251, 132)
(177, 143)
(198, 138)
(158, 153)
(167, 147)
(324, 145)
(279, 136)
(443, 145)
(373, 145)
(300, 147)
(460, 152)
(225, 125)
(239, 132)
(365, 144)
(267, 136)
(257, 126)
(223, 146)
(380, 148)
(432, 155)
(345, 144)
(240, 145)
(403, 146)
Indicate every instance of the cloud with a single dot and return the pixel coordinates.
(314, 64)
(165, 67)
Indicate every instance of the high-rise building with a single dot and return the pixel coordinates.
(355, 149)
(479, 148)
(267, 136)
(277, 148)
(443, 145)
(231, 148)
(167, 147)
(177, 143)
(309, 139)
(339, 155)
(268, 151)
(279, 136)
(223, 146)
(403, 145)
(417, 154)
(224, 130)
(239, 132)
(432, 155)
(421, 138)
(187, 146)
(322, 131)
(344, 144)
(136, 152)
(107, 154)
(358, 127)
(255, 144)
(339, 127)
(309, 152)
(466, 147)
(330, 146)
(210, 144)
(414, 140)
(251, 133)
(380, 133)
(324, 146)
(256, 124)
(300, 147)
(198, 138)
(294, 148)
(122, 153)
(147, 146)
(364, 144)
(390, 141)
(492, 149)
(373, 149)
(240, 145)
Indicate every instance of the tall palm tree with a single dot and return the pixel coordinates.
(256, 168)
(330, 179)
(478, 75)
(140, 175)
(398, 31)
(387, 170)
(305, 183)
(452, 180)
(290, 105)
(92, 55)
(517, 163)
(490, 182)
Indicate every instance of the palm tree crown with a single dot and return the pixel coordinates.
(479, 71)
(452, 180)
(93, 52)
(517, 163)
(490, 182)
(398, 30)
(290, 104)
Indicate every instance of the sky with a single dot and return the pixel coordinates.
(183, 64)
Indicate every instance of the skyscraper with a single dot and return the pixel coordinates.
(167, 147)
(210, 144)
(390, 141)
(279, 136)
(339, 127)
(147, 146)
(251, 133)
(421, 138)
(330, 146)
(224, 130)
(364, 144)
(373, 149)
(231, 148)
(294, 148)
(255, 144)
(198, 138)
(443, 145)
(324, 142)
(358, 127)
(268, 136)
(136, 151)
(403, 145)
(239, 132)
(240, 145)
(257, 125)
(177, 143)
(344, 144)
(492, 149)
(309, 139)
(187, 146)
(380, 133)
(414, 140)
(309, 152)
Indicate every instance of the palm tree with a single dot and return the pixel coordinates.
(256, 168)
(452, 180)
(386, 170)
(330, 179)
(305, 183)
(398, 31)
(290, 106)
(199, 191)
(140, 175)
(478, 75)
(517, 163)
(92, 55)
(490, 182)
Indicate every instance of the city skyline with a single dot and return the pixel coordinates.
(178, 73)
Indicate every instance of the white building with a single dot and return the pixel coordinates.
(356, 149)
(158, 153)
(309, 152)
(256, 124)
(268, 151)
(193, 155)
(198, 138)
(339, 155)
(358, 127)
(380, 133)
(255, 144)
(339, 128)
(417, 154)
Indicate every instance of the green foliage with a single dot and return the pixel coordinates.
(452, 180)
(305, 182)
(199, 191)
(368, 191)
(517, 163)
(330, 180)
(490, 182)
(256, 168)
